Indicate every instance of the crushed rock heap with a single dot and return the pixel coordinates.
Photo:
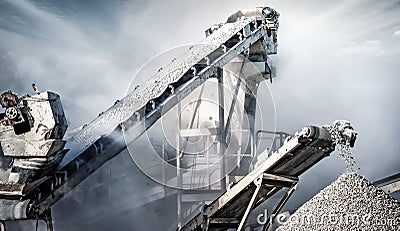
(349, 203)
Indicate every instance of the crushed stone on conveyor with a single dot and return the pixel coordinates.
(155, 86)
(349, 203)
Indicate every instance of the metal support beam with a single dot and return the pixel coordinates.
(234, 99)
(250, 206)
(273, 177)
(279, 181)
(178, 169)
(391, 188)
(48, 219)
(279, 206)
(224, 221)
(387, 179)
(205, 224)
(389, 184)
(221, 127)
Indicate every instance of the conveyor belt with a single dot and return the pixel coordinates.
(279, 170)
(198, 62)
(103, 138)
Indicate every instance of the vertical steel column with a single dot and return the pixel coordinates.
(221, 127)
(47, 217)
(250, 108)
(178, 170)
(163, 163)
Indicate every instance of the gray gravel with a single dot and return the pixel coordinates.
(343, 146)
(349, 203)
(151, 89)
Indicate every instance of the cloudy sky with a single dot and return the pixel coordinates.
(336, 59)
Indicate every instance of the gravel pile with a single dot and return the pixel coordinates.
(349, 203)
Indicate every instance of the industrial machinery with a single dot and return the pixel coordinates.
(40, 167)
(280, 170)
(31, 132)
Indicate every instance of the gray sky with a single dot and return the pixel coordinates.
(336, 59)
